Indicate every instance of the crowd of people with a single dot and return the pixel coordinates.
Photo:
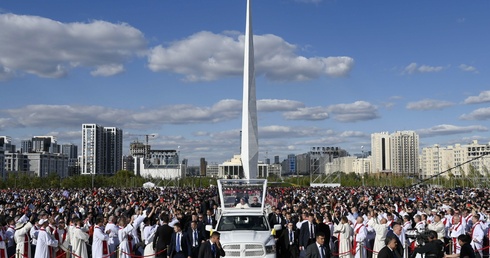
(366, 222)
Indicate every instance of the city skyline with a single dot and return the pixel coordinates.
(329, 75)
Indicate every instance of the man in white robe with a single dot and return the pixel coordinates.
(381, 229)
(344, 231)
(79, 240)
(455, 231)
(477, 235)
(44, 242)
(113, 235)
(100, 245)
(21, 236)
(125, 238)
(360, 239)
(61, 234)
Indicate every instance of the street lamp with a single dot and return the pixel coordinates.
(362, 164)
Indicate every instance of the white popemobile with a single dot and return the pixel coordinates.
(242, 222)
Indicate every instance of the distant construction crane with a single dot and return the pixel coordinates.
(147, 146)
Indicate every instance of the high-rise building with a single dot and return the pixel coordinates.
(128, 163)
(291, 164)
(276, 160)
(101, 149)
(405, 153)
(26, 146)
(447, 160)
(380, 152)
(46, 144)
(202, 167)
(71, 151)
(113, 149)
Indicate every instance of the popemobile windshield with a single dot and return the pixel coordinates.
(242, 222)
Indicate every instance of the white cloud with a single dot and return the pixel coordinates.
(48, 48)
(62, 116)
(468, 68)
(415, 68)
(108, 70)
(352, 112)
(273, 105)
(206, 56)
(483, 97)
(429, 104)
(478, 114)
(348, 134)
(446, 129)
(307, 113)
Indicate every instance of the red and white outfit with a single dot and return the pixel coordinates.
(21, 236)
(100, 247)
(407, 225)
(61, 236)
(360, 234)
(3, 246)
(44, 243)
(454, 233)
(344, 238)
(477, 238)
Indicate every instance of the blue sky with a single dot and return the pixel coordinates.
(329, 73)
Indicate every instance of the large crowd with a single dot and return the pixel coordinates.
(365, 222)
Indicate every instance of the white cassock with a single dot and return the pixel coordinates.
(125, 241)
(360, 236)
(344, 238)
(477, 238)
(379, 240)
(78, 242)
(454, 233)
(420, 226)
(33, 234)
(113, 237)
(21, 236)
(44, 243)
(407, 225)
(439, 228)
(3, 245)
(149, 233)
(100, 245)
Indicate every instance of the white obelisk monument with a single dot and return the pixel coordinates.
(250, 144)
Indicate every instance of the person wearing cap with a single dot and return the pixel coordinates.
(21, 236)
(44, 241)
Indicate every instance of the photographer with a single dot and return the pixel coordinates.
(433, 248)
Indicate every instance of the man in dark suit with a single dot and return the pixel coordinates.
(163, 236)
(307, 233)
(209, 220)
(389, 250)
(288, 242)
(179, 245)
(195, 239)
(212, 248)
(317, 249)
(322, 227)
(395, 233)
